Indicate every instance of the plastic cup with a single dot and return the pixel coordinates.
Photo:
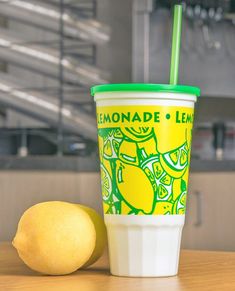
(144, 133)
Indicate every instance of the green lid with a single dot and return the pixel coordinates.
(145, 88)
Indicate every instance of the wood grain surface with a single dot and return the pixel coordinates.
(199, 271)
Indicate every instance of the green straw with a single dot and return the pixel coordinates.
(176, 40)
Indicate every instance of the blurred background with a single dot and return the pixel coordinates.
(52, 52)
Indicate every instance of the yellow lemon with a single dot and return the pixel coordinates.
(55, 237)
(101, 235)
(135, 187)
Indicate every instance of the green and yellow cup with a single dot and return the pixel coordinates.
(144, 134)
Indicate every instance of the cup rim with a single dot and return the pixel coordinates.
(148, 87)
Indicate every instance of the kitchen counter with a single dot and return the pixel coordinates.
(199, 270)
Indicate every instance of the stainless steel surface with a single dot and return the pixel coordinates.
(47, 110)
(16, 49)
(207, 57)
(47, 16)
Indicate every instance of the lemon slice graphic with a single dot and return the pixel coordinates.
(160, 180)
(118, 133)
(166, 180)
(180, 203)
(158, 170)
(137, 133)
(162, 191)
(111, 145)
(175, 162)
(106, 183)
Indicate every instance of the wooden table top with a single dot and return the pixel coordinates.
(199, 270)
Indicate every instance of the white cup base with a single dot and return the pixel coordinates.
(144, 246)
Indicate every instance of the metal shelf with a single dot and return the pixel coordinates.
(60, 53)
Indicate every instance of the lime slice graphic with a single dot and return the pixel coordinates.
(135, 187)
(183, 158)
(128, 152)
(111, 145)
(162, 192)
(158, 170)
(175, 162)
(183, 199)
(180, 203)
(118, 133)
(166, 180)
(106, 183)
(160, 180)
(108, 149)
(115, 145)
(175, 156)
(177, 159)
(137, 133)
